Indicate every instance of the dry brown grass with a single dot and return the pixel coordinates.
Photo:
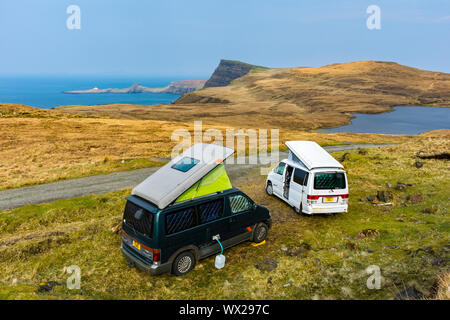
(443, 292)
(38, 150)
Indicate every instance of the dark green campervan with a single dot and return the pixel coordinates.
(169, 238)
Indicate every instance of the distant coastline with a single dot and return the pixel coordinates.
(175, 87)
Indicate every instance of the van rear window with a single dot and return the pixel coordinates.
(329, 180)
(138, 219)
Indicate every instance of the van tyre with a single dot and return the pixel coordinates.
(183, 263)
(260, 233)
(269, 188)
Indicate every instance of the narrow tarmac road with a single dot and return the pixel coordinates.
(61, 190)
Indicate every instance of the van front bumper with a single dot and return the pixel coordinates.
(317, 209)
(152, 269)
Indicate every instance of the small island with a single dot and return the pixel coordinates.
(175, 87)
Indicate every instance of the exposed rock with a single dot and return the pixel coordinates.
(399, 220)
(440, 261)
(352, 246)
(299, 251)
(402, 186)
(385, 196)
(287, 284)
(429, 210)
(388, 185)
(47, 286)
(392, 246)
(418, 164)
(367, 233)
(410, 293)
(266, 265)
(371, 198)
(227, 71)
(414, 198)
(362, 151)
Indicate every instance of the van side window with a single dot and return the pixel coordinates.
(280, 168)
(180, 220)
(300, 177)
(239, 203)
(211, 211)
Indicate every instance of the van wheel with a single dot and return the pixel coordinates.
(260, 233)
(269, 188)
(183, 263)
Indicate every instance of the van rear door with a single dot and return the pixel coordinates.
(329, 188)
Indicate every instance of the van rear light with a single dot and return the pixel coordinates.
(156, 255)
(310, 197)
(344, 196)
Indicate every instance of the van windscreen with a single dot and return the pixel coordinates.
(329, 180)
(138, 219)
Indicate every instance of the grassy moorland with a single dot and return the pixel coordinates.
(319, 257)
(40, 146)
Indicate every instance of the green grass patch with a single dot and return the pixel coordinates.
(37, 243)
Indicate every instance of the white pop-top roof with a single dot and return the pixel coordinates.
(312, 155)
(171, 180)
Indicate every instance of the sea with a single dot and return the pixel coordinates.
(47, 92)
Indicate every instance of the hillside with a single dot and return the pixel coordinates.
(227, 71)
(299, 98)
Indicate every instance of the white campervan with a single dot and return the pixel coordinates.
(310, 180)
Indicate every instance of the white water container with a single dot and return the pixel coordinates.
(220, 261)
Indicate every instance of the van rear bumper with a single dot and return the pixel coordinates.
(151, 269)
(315, 209)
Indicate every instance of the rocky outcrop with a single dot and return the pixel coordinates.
(175, 87)
(227, 71)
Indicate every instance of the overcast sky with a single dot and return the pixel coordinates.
(188, 38)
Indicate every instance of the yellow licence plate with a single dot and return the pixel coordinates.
(137, 245)
(330, 199)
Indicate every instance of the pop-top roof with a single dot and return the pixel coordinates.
(312, 155)
(173, 179)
